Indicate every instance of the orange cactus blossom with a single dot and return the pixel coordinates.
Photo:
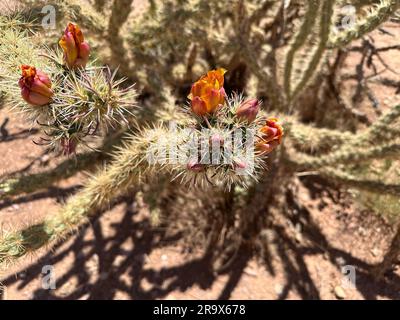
(35, 86)
(208, 92)
(271, 136)
(76, 50)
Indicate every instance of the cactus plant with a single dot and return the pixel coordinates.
(274, 52)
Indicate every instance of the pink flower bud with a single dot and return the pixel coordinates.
(248, 110)
(239, 164)
(195, 166)
(216, 140)
(35, 86)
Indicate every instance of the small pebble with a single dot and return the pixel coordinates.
(278, 289)
(340, 261)
(376, 252)
(251, 272)
(340, 293)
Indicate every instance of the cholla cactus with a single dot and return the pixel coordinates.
(214, 151)
(274, 51)
(68, 104)
(373, 17)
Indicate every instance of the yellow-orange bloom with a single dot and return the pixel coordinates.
(271, 136)
(208, 92)
(35, 86)
(76, 50)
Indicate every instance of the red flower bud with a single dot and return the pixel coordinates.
(195, 166)
(35, 86)
(76, 50)
(248, 110)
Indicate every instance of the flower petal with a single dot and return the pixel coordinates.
(214, 100)
(84, 51)
(40, 88)
(37, 99)
(70, 49)
(44, 78)
(199, 107)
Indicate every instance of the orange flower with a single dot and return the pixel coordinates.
(271, 136)
(76, 50)
(208, 92)
(35, 86)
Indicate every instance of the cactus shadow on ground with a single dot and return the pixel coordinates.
(103, 268)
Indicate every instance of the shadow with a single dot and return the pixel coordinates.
(298, 277)
(105, 267)
(145, 238)
(107, 249)
(34, 160)
(53, 192)
(5, 136)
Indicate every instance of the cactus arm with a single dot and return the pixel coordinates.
(325, 26)
(381, 127)
(30, 183)
(125, 171)
(346, 155)
(303, 33)
(312, 138)
(390, 259)
(348, 180)
(377, 15)
(119, 15)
